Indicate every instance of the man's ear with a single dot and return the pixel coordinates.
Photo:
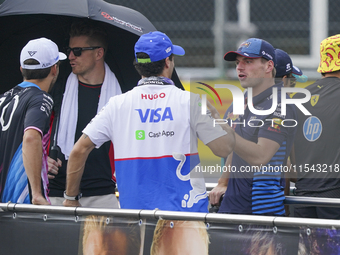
(270, 66)
(167, 62)
(100, 52)
(54, 70)
(285, 80)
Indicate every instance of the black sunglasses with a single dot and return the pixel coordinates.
(77, 50)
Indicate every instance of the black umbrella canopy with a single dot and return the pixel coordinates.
(23, 20)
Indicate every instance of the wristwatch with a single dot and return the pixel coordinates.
(72, 198)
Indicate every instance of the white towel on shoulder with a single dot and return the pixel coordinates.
(69, 107)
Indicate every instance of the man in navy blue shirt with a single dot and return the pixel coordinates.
(255, 182)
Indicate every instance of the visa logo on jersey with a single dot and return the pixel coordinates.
(155, 115)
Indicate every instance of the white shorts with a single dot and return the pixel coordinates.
(105, 201)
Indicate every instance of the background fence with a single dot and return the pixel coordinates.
(209, 28)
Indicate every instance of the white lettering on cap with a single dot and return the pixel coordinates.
(268, 55)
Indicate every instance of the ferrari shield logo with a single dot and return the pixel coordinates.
(314, 99)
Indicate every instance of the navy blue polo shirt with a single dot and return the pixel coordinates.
(260, 190)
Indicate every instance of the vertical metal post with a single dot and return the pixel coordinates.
(243, 8)
(318, 25)
(218, 30)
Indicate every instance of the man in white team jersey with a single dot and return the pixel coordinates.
(154, 129)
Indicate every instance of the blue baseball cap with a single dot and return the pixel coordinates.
(253, 48)
(284, 66)
(158, 46)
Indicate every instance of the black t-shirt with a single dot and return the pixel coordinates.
(317, 140)
(97, 178)
(25, 106)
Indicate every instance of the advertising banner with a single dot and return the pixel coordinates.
(36, 233)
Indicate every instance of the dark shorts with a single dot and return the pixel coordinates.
(262, 214)
(317, 212)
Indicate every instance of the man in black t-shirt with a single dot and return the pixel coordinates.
(88, 88)
(25, 114)
(318, 137)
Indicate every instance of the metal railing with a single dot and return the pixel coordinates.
(313, 201)
(175, 215)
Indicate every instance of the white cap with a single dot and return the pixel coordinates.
(44, 51)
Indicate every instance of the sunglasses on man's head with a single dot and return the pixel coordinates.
(77, 50)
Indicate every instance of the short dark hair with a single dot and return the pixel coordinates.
(34, 74)
(96, 33)
(149, 69)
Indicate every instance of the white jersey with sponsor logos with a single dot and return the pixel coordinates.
(154, 129)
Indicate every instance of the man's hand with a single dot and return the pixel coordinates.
(71, 203)
(216, 193)
(39, 200)
(213, 111)
(53, 167)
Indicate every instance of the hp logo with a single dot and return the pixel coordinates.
(312, 129)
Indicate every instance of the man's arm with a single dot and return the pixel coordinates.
(75, 168)
(256, 154)
(292, 175)
(32, 158)
(223, 145)
(216, 193)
